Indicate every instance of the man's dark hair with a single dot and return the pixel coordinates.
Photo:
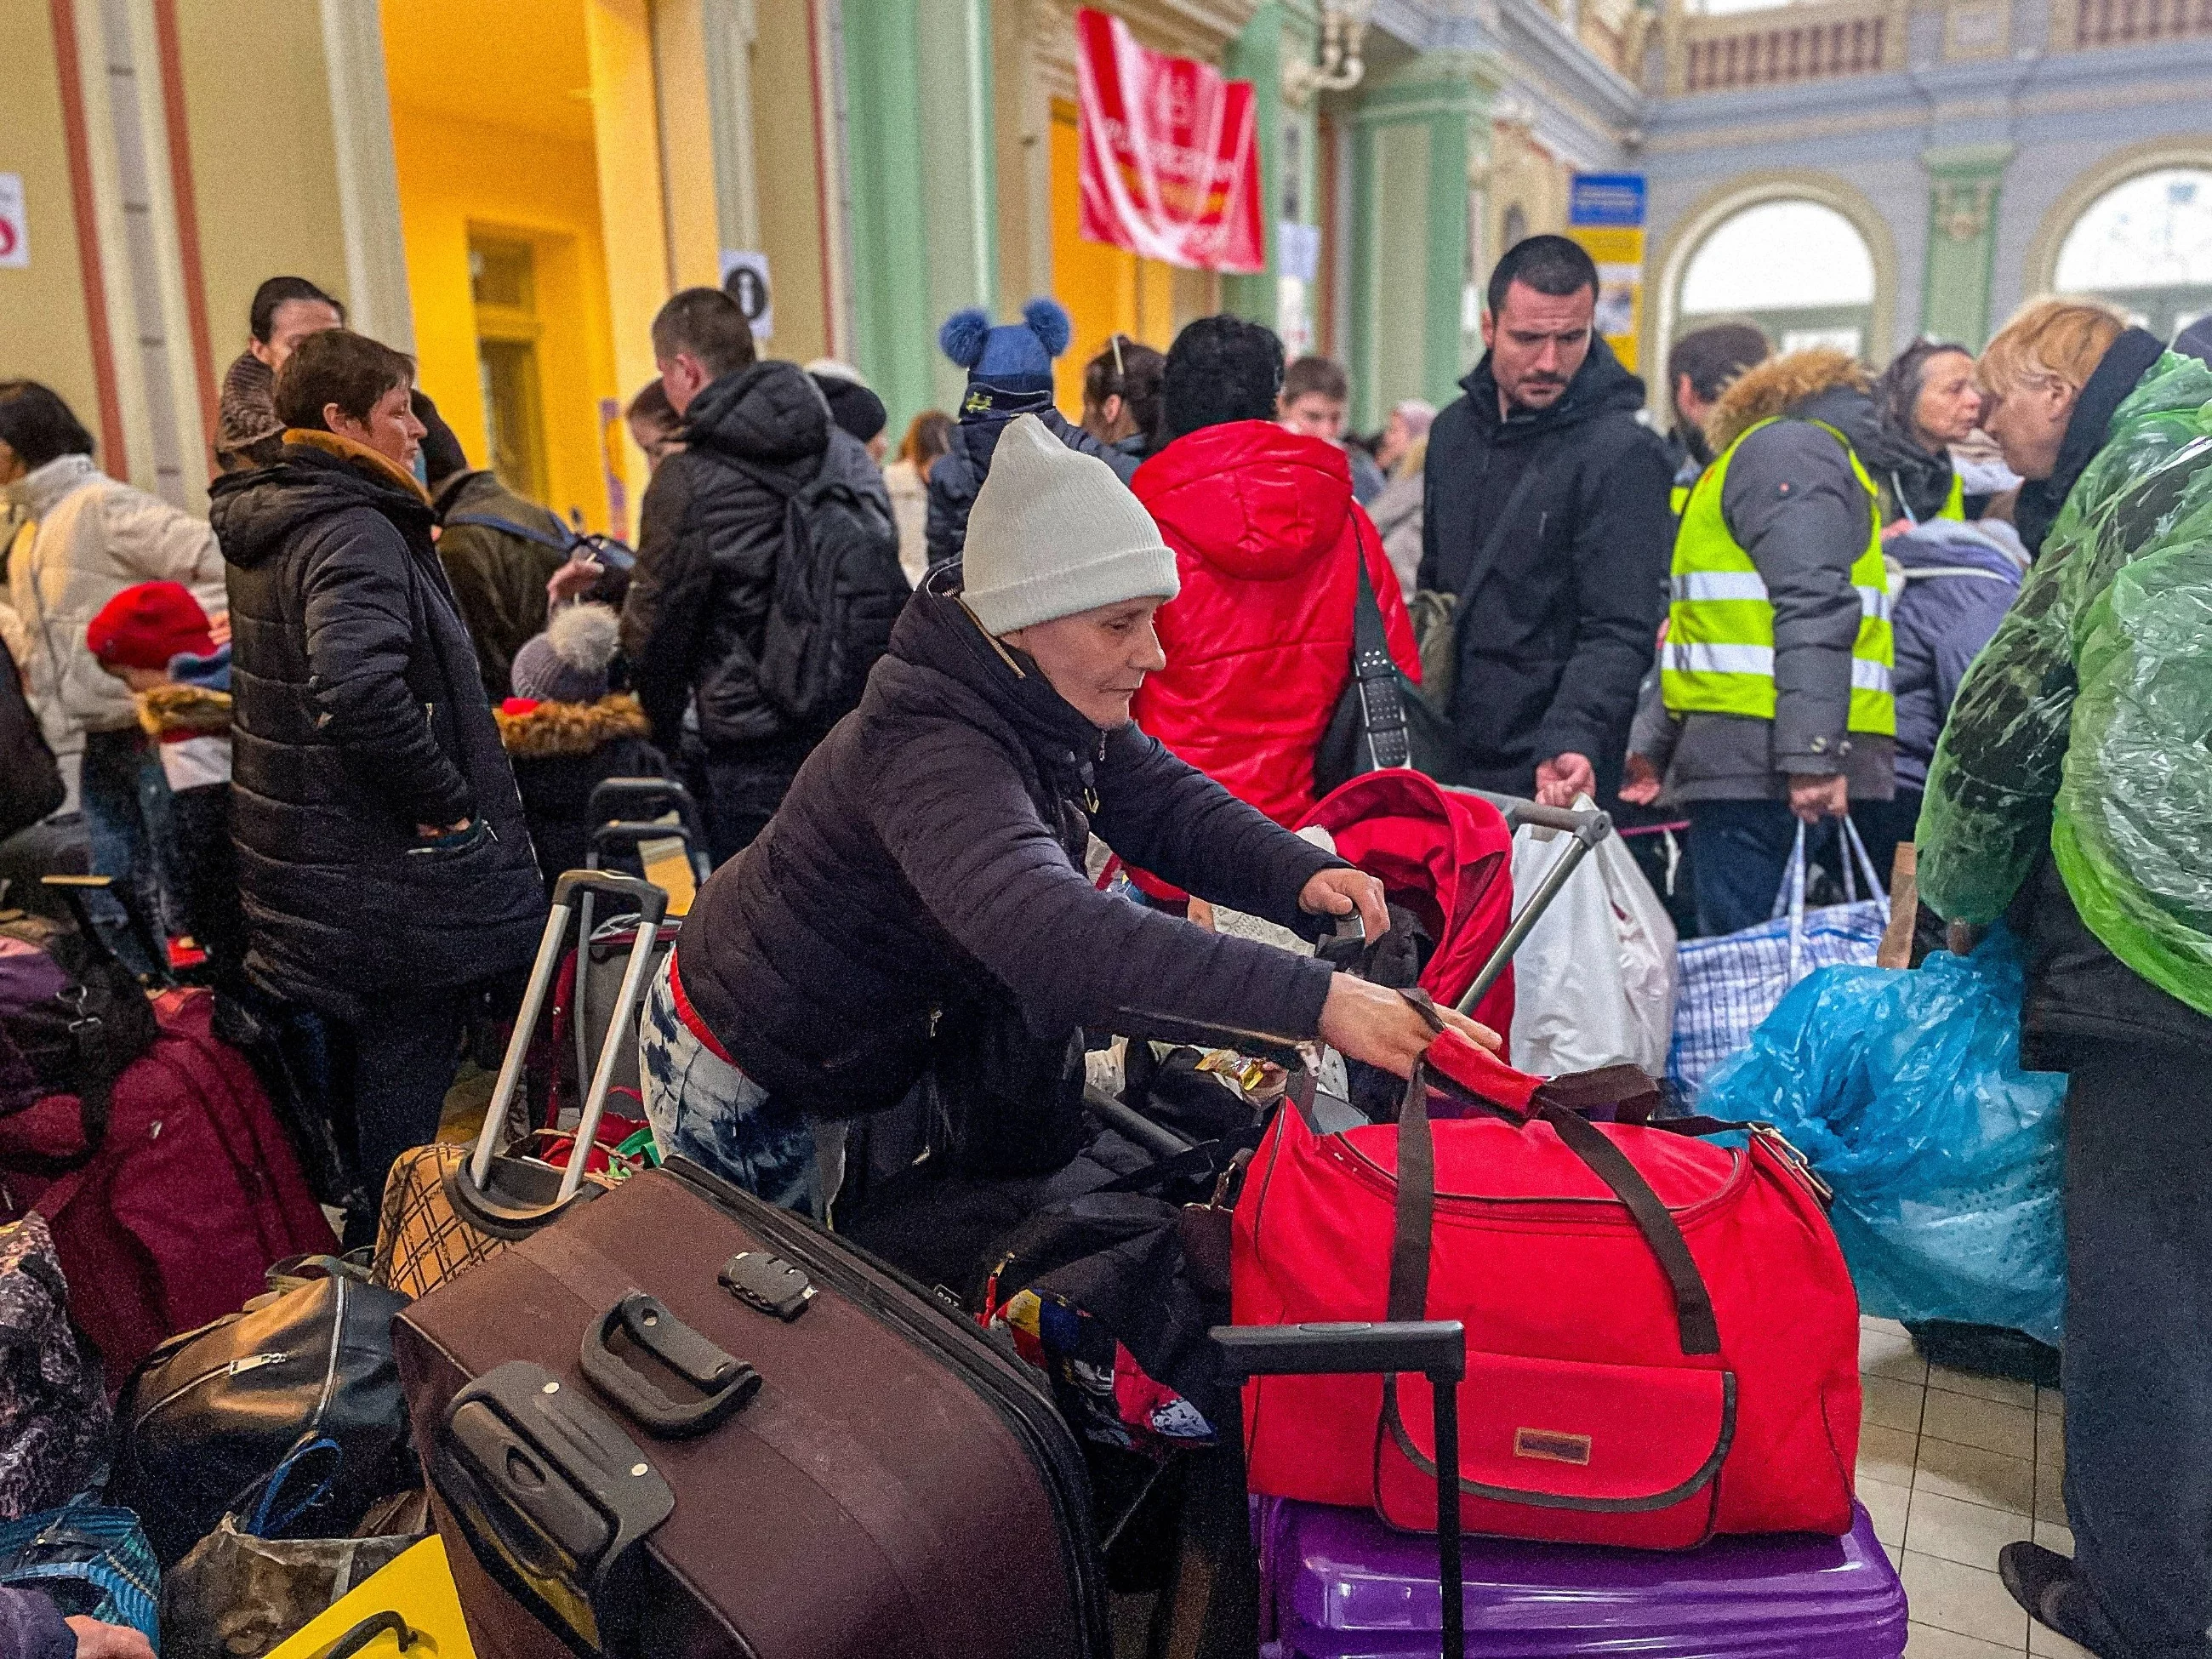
(340, 367)
(1311, 374)
(1550, 264)
(281, 290)
(442, 454)
(37, 425)
(1715, 354)
(1222, 368)
(708, 324)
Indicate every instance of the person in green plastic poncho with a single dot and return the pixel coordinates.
(2072, 796)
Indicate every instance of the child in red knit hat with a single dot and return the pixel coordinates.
(157, 640)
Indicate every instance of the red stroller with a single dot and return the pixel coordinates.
(1447, 856)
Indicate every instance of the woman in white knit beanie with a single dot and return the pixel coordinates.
(924, 881)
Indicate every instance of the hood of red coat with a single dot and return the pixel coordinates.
(1248, 497)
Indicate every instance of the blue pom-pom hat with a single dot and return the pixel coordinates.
(1015, 357)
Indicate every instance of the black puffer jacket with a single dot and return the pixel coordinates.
(697, 610)
(356, 715)
(30, 781)
(929, 860)
(1554, 529)
(959, 471)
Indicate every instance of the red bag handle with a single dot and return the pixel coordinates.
(1481, 1073)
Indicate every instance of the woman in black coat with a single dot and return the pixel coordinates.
(925, 873)
(383, 859)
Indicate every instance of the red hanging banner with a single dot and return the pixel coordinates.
(1171, 153)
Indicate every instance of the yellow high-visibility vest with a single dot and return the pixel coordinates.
(1719, 654)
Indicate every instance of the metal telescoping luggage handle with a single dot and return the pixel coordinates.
(1437, 1348)
(1588, 830)
(663, 792)
(653, 905)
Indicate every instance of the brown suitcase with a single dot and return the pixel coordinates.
(841, 1467)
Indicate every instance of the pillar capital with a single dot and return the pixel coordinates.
(1964, 182)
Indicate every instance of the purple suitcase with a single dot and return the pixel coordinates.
(1338, 1584)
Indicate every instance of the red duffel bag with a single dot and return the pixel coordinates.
(1663, 1338)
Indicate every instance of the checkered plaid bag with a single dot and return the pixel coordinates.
(422, 1240)
(1730, 985)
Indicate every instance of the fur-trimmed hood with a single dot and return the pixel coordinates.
(167, 710)
(1774, 388)
(550, 730)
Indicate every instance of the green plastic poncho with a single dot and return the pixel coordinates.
(2085, 724)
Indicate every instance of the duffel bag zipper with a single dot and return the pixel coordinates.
(951, 1335)
(237, 1367)
(1388, 1179)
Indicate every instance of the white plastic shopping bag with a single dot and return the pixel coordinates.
(1593, 982)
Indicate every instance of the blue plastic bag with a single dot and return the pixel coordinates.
(92, 1560)
(1906, 1092)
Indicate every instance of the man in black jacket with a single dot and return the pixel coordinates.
(700, 602)
(1545, 512)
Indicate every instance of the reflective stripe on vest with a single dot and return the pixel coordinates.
(1719, 655)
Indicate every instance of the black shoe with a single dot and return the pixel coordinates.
(2043, 1582)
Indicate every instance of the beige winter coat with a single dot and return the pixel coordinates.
(83, 539)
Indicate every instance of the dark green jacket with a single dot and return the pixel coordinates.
(498, 580)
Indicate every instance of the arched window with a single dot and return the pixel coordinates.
(1799, 270)
(1516, 228)
(2147, 247)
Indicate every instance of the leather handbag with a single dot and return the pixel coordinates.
(210, 1416)
(1663, 1338)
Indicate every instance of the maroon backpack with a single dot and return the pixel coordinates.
(193, 1191)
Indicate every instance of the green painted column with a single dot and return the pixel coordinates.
(1418, 135)
(1280, 32)
(1963, 185)
(922, 189)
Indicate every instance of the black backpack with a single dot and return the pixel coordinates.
(838, 590)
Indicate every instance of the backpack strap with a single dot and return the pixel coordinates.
(1382, 704)
(561, 541)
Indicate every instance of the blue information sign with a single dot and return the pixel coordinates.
(1614, 200)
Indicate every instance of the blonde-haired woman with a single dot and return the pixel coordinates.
(2071, 796)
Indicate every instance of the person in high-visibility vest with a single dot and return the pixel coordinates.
(1775, 672)
(1699, 366)
(1926, 401)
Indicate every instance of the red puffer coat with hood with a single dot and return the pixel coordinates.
(1259, 643)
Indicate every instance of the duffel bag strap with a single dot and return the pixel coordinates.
(1698, 1330)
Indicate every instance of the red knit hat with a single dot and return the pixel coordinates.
(145, 626)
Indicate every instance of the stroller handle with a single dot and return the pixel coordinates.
(1588, 829)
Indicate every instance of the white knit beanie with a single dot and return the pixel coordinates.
(1054, 532)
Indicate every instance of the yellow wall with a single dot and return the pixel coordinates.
(634, 245)
(43, 331)
(455, 174)
(260, 125)
(1106, 290)
(785, 175)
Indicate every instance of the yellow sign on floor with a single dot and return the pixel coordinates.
(410, 1608)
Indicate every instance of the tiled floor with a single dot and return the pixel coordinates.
(1953, 1467)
